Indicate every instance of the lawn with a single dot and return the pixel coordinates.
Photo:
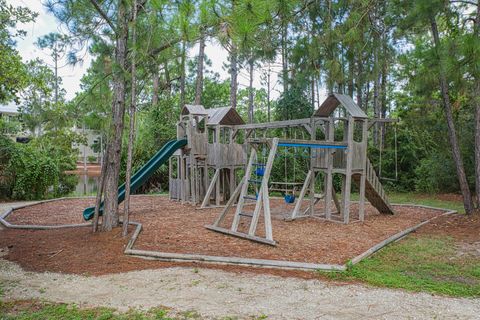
(422, 261)
(30, 310)
(419, 263)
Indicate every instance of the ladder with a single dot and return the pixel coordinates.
(261, 200)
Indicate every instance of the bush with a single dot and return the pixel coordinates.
(36, 170)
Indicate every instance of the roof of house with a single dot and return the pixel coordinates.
(224, 116)
(10, 108)
(336, 99)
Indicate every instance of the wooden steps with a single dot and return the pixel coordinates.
(374, 190)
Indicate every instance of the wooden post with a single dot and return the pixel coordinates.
(217, 188)
(313, 125)
(348, 171)
(329, 132)
(361, 206)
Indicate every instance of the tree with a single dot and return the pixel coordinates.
(132, 110)
(57, 43)
(13, 74)
(38, 109)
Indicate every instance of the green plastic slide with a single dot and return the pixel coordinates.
(145, 172)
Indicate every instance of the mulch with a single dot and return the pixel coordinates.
(169, 226)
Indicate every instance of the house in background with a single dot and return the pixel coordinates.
(90, 152)
(10, 115)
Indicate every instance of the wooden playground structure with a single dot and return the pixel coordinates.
(229, 163)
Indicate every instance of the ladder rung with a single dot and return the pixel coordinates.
(250, 197)
(245, 214)
(255, 181)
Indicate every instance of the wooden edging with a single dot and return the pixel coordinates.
(398, 236)
(277, 264)
(281, 264)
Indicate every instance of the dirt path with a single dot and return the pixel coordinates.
(217, 294)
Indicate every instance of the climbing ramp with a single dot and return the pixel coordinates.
(374, 191)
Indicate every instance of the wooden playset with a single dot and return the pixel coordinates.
(229, 163)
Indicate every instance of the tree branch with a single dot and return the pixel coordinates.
(103, 14)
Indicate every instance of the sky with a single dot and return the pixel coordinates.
(71, 75)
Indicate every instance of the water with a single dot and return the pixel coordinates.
(87, 185)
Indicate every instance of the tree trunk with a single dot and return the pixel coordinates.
(182, 75)
(359, 84)
(200, 63)
(131, 134)
(383, 87)
(250, 91)
(101, 187)
(376, 89)
(452, 134)
(168, 82)
(233, 76)
(156, 87)
(312, 85)
(268, 94)
(114, 148)
(284, 57)
(477, 114)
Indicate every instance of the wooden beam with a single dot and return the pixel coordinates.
(305, 187)
(206, 200)
(241, 235)
(274, 124)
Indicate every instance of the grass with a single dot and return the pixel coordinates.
(431, 200)
(37, 310)
(426, 200)
(419, 263)
(33, 310)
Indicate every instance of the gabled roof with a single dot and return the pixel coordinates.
(336, 99)
(194, 109)
(224, 116)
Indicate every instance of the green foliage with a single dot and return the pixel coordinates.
(36, 170)
(13, 75)
(293, 104)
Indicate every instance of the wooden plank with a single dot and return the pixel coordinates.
(206, 200)
(361, 207)
(241, 235)
(348, 172)
(307, 143)
(229, 203)
(329, 178)
(277, 264)
(305, 187)
(273, 124)
(241, 200)
(266, 215)
(264, 186)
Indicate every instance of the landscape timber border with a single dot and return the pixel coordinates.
(263, 263)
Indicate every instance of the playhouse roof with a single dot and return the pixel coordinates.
(194, 109)
(225, 116)
(336, 99)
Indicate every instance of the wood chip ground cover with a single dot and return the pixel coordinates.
(169, 226)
